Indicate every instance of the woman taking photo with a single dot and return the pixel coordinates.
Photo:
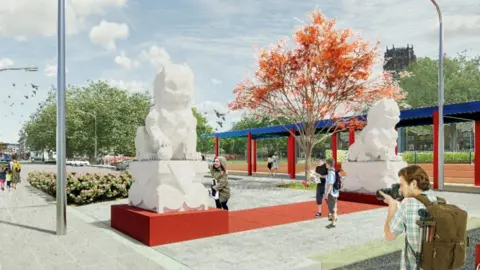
(219, 172)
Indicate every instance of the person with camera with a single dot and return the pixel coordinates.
(402, 216)
(218, 170)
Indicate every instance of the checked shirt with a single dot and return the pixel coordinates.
(404, 221)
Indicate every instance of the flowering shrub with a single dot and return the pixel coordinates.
(85, 188)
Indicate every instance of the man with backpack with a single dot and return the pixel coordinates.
(333, 191)
(435, 231)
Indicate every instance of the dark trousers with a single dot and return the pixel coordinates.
(221, 205)
(320, 192)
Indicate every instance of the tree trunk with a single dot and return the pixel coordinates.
(308, 161)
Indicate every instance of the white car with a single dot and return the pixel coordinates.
(81, 163)
(78, 163)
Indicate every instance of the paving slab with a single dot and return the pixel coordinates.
(27, 221)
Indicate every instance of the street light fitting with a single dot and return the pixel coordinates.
(27, 69)
(31, 69)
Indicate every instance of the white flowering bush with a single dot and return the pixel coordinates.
(85, 188)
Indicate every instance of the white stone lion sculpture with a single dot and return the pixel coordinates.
(165, 173)
(377, 141)
(170, 127)
(371, 161)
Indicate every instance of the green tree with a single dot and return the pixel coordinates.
(203, 144)
(117, 112)
(461, 80)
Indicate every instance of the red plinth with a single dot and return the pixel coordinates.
(360, 198)
(154, 229)
(477, 256)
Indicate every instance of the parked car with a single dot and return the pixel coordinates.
(78, 163)
(122, 165)
(81, 163)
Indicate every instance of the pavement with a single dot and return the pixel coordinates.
(28, 240)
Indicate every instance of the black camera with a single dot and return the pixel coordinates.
(394, 192)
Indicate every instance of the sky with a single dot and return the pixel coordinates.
(125, 42)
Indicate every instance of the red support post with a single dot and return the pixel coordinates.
(249, 153)
(477, 153)
(351, 135)
(216, 146)
(435, 149)
(254, 155)
(334, 148)
(291, 155)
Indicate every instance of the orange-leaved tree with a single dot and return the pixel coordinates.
(327, 74)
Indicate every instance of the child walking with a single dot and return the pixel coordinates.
(8, 178)
(2, 177)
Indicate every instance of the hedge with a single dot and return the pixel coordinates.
(449, 157)
(420, 157)
(85, 188)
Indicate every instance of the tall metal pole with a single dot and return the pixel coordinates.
(61, 123)
(441, 139)
(95, 117)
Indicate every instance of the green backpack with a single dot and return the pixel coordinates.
(444, 239)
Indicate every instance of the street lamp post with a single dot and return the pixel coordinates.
(94, 115)
(441, 139)
(61, 192)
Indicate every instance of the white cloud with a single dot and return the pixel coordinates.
(107, 33)
(125, 62)
(5, 63)
(157, 56)
(132, 86)
(51, 68)
(464, 26)
(215, 81)
(86, 7)
(25, 18)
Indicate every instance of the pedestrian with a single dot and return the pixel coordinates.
(270, 165)
(8, 179)
(332, 193)
(321, 173)
(275, 163)
(218, 171)
(2, 177)
(15, 168)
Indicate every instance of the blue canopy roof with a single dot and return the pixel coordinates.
(459, 112)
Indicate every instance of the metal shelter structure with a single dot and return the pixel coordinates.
(453, 113)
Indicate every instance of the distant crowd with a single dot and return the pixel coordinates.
(10, 174)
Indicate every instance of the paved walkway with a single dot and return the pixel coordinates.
(27, 240)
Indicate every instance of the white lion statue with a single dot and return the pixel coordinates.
(371, 161)
(170, 127)
(165, 173)
(377, 141)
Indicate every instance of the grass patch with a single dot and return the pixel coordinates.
(299, 185)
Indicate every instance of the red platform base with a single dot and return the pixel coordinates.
(477, 256)
(360, 198)
(154, 229)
